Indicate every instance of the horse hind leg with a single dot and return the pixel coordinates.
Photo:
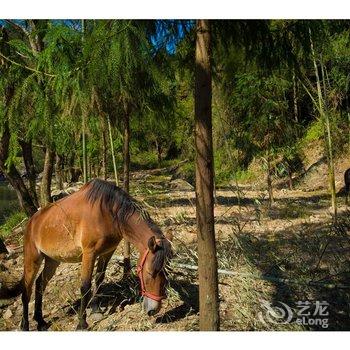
(40, 285)
(32, 261)
(100, 275)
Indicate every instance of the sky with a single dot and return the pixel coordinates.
(162, 38)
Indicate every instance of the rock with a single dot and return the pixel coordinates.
(180, 184)
(96, 317)
(7, 314)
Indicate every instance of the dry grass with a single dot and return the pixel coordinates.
(294, 240)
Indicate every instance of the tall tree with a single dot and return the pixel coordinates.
(207, 260)
(327, 128)
(8, 85)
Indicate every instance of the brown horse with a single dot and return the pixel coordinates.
(347, 185)
(82, 227)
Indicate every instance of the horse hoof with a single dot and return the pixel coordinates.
(25, 328)
(43, 326)
(82, 326)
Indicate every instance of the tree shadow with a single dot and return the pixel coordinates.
(110, 297)
(189, 294)
(316, 252)
(113, 296)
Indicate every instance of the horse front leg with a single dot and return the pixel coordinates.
(100, 275)
(87, 267)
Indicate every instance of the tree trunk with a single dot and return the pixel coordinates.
(113, 155)
(59, 172)
(207, 260)
(126, 174)
(269, 170)
(269, 180)
(159, 152)
(25, 199)
(104, 155)
(290, 177)
(83, 122)
(71, 170)
(327, 131)
(27, 154)
(45, 194)
(295, 98)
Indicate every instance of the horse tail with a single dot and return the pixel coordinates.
(13, 291)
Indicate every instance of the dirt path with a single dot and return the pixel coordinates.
(294, 240)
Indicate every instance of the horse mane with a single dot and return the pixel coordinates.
(121, 206)
(162, 255)
(112, 198)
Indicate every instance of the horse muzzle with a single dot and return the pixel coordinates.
(150, 306)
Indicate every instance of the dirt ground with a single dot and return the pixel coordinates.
(281, 258)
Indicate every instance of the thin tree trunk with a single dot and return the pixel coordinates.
(269, 180)
(328, 135)
(207, 261)
(290, 177)
(126, 152)
(27, 154)
(47, 177)
(89, 169)
(269, 170)
(104, 138)
(83, 125)
(104, 156)
(159, 153)
(295, 98)
(59, 172)
(112, 152)
(71, 171)
(126, 174)
(83, 121)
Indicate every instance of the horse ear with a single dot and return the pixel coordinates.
(153, 244)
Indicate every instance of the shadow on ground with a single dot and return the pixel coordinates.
(316, 252)
(188, 293)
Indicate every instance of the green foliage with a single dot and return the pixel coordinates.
(314, 132)
(114, 67)
(11, 222)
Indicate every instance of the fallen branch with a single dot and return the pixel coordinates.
(268, 278)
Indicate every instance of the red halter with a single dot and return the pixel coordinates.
(143, 289)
